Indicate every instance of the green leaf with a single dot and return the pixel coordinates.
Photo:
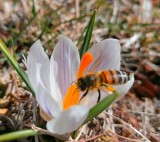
(15, 64)
(80, 39)
(101, 106)
(33, 8)
(87, 39)
(18, 134)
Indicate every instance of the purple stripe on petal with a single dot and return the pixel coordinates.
(96, 64)
(64, 68)
(67, 58)
(108, 52)
(47, 109)
(44, 103)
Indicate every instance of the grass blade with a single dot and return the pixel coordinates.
(15, 64)
(88, 35)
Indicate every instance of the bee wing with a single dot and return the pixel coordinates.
(106, 55)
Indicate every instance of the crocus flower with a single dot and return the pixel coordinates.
(53, 81)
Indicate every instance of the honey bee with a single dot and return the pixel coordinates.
(89, 78)
(102, 78)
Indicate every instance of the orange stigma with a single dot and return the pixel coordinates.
(72, 97)
(86, 60)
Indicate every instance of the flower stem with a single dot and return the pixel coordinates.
(18, 134)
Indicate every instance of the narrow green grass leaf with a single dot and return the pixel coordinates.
(17, 135)
(101, 106)
(88, 35)
(44, 27)
(33, 8)
(80, 39)
(15, 64)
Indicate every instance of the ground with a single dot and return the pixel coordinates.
(136, 117)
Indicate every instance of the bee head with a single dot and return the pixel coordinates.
(81, 84)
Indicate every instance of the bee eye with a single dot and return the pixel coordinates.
(81, 84)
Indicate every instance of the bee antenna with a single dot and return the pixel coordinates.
(73, 82)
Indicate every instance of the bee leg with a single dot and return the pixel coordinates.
(109, 88)
(84, 95)
(99, 96)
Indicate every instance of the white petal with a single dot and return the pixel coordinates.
(91, 99)
(47, 102)
(39, 72)
(67, 58)
(106, 55)
(38, 65)
(33, 72)
(69, 120)
(54, 89)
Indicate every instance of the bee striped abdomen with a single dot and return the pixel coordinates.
(114, 77)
